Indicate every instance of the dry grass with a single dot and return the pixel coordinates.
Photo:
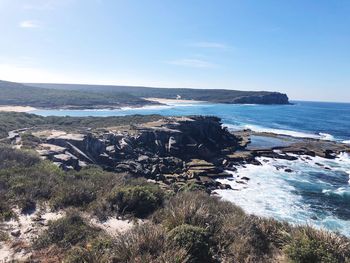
(194, 227)
(197, 209)
(252, 239)
(146, 243)
(310, 245)
(190, 226)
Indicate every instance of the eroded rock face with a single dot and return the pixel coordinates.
(163, 151)
(187, 138)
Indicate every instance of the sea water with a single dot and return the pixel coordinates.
(312, 191)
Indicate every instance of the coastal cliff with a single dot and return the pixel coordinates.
(271, 98)
(170, 150)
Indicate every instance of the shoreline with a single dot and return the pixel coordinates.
(165, 103)
(9, 108)
(173, 101)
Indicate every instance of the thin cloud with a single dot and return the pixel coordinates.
(212, 45)
(29, 24)
(193, 63)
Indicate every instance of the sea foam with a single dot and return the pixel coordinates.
(285, 132)
(274, 192)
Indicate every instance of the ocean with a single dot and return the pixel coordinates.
(316, 192)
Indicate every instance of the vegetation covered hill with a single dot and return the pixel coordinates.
(95, 96)
(12, 93)
(210, 95)
(179, 226)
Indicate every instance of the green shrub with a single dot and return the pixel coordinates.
(24, 186)
(189, 187)
(74, 192)
(140, 200)
(309, 245)
(66, 232)
(29, 141)
(88, 186)
(79, 255)
(6, 212)
(146, 243)
(4, 236)
(193, 239)
(252, 239)
(197, 209)
(10, 157)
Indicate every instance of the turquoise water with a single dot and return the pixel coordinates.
(303, 119)
(317, 191)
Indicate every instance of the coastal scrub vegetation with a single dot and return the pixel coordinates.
(24, 95)
(10, 121)
(97, 96)
(187, 226)
(141, 200)
(211, 95)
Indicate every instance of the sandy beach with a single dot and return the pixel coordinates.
(17, 108)
(173, 101)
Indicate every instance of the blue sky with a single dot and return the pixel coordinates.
(301, 47)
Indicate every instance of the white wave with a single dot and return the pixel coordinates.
(232, 127)
(271, 192)
(346, 142)
(265, 194)
(128, 108)
(326, 136)
(167, 105)
(341, 191)
(291, 133)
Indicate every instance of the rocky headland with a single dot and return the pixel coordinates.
(169, 151)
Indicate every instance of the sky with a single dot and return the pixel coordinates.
(299, 47)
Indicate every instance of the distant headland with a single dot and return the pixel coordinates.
(77, 96)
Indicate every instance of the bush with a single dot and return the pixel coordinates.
(6, 212)
(310, 245)
(189, 187)
(29, 141)
(252, 239)
(10, 157)
(4, 236)
(79, 255)
(87, 188)
(146, 243)
(197, 209)
(66, 232)
(193, 239)
(140, 200)
(24, 186)
(75, 193)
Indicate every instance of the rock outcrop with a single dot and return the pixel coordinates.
(172, 150)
